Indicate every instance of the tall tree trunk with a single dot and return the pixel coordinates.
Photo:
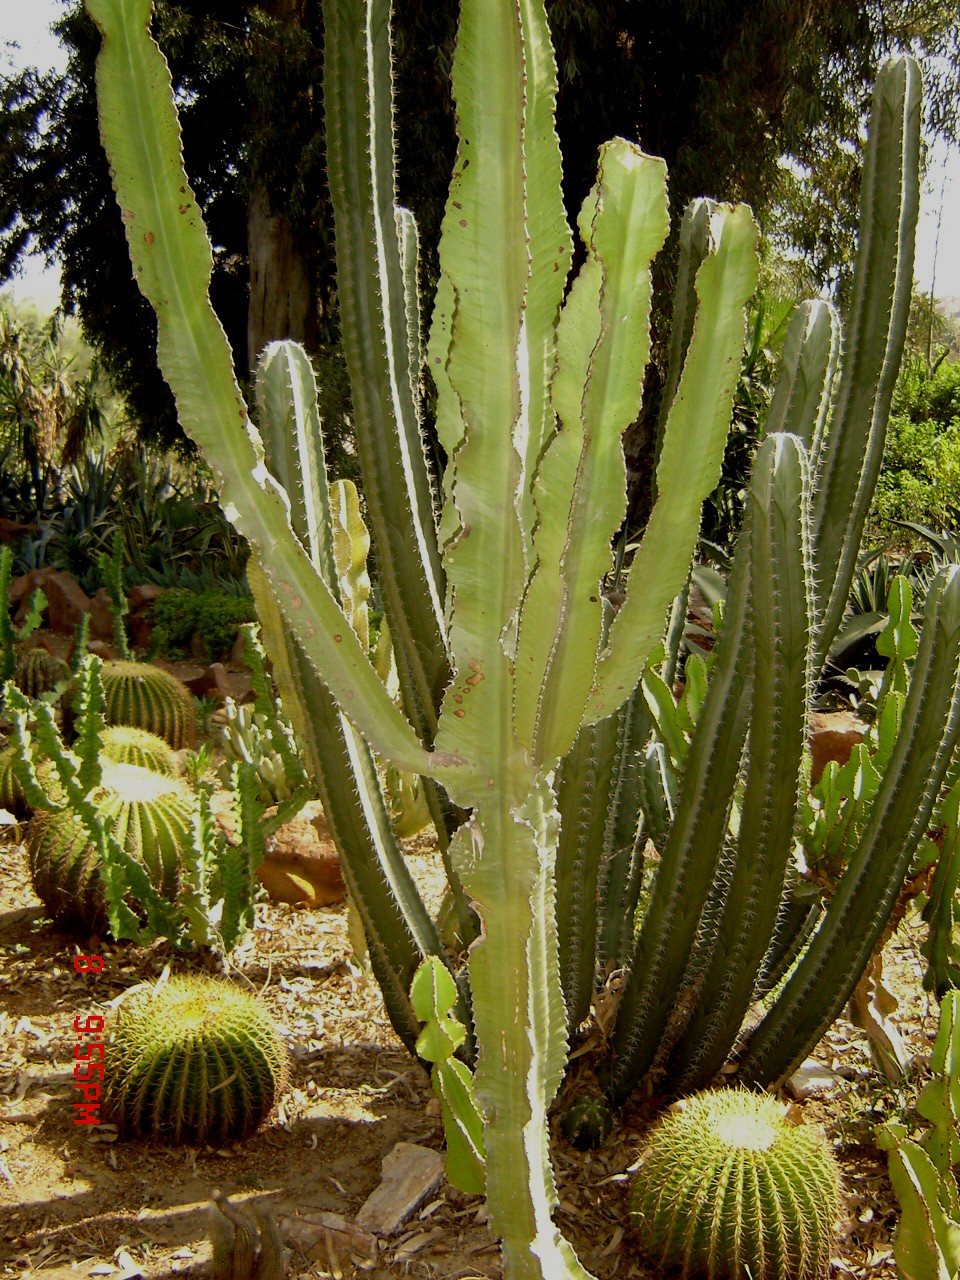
(283, 301)
(283, 286)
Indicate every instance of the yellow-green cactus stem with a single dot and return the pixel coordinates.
(193, 1059)
(729, 1183)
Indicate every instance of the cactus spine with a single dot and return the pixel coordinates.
(193, 1059)
(728, 1183)
(125, 744)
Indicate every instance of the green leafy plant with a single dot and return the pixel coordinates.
(214, 617)
(434, 993)
(729, 1186)
(927, 1242)
(919, 481)
(192, 1059)
(147, 697)
(518, 676)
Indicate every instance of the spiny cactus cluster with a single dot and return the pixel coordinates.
(728, 1183)
(150, 698)
(193, 1059)
(11, 793)
(151, 819)
(587, 1124)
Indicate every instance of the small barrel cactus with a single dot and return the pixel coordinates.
(147, 697)
(587, 1124)
(39, 672)
(728, 1183)
(125, 744)
(193, 1059)
(151, 816)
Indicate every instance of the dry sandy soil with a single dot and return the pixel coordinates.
(75, 1201)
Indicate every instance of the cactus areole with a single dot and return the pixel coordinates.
(492, 586)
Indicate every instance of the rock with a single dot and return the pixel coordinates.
(299, 867)
(833, 735)
(236, 658)
(410, 1173)
(139, 625)
(812, 1080)
(216, 679)
(67, 602)
(329, 1238)
(10, 530)
(106, 652)
(101, 619)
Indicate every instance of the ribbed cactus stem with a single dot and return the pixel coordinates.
(729, 1187)
(195, 1060)
(850, 450)
(868, 889)
(379, 329)
(780, 635)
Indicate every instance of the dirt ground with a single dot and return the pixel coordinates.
(75, 1201)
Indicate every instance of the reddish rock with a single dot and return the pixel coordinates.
(10, 530)
(139, 624)
(833, 735)
(236, 658)
(106, 652)
(216, 679)
(101, 619)
(300, 868)
(66, 602)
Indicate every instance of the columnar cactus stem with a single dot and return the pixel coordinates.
(504, 651)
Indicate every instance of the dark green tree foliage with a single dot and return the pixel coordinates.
(720, 89)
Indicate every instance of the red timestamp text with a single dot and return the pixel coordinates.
(88, 1052)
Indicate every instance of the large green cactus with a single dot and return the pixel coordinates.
(518, 679)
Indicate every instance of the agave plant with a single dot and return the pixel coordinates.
(519, 679)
